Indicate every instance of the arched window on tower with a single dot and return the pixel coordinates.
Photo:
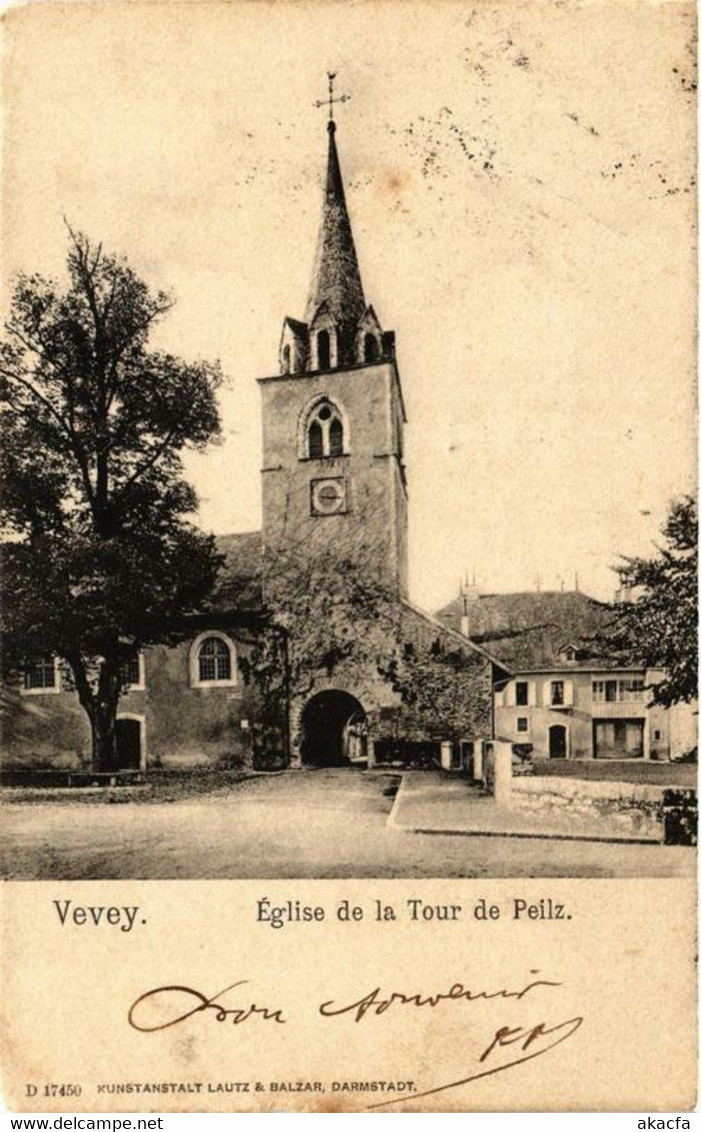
(316, 441)
(286, 359)
(323, 350)
(370, 348)
(325, 432)
(335, 437)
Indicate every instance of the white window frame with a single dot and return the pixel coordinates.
(140, 686)
(623, 694)
(194, 664)
(628, 695)
(57, 687)
(598, 695)
(527, 729)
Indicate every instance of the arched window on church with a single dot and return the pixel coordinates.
(286, 353)
(323, 350)
(212, 661)
(325, 432)
(370, 348)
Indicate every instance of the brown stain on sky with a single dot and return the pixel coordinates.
(393, 182)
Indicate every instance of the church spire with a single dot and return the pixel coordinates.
(339, 329)
(335, 276)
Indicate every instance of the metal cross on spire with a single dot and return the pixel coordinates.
(331, 101)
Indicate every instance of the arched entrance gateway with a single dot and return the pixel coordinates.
(334, 730)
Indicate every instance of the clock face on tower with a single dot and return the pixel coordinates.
(328, 497)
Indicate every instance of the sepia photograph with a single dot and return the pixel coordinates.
(348, 475)
(348, 461)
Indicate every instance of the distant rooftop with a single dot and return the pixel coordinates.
(238, 585)
(531, 629)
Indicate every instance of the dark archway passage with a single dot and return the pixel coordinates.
(333, 730)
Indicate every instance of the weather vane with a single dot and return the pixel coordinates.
(331, 101)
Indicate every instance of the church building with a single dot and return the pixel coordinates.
(364, 675)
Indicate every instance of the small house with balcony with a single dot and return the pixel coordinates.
(586, 713)
(566, 699)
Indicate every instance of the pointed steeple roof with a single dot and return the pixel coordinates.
(336, 276)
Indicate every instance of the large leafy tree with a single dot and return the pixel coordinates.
(658, 625)
(100, 558)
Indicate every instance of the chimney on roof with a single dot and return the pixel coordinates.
(624, 594)
(469, 593)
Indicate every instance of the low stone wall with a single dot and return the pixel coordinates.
(593, 807)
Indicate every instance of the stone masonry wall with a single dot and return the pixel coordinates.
(594, 807)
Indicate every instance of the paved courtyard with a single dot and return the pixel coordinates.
(316, 823)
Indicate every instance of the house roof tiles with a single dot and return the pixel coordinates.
(238, 585)
(528, 630)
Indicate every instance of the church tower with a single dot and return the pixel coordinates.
(334, 483)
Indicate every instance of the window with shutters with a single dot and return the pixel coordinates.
(557, 693)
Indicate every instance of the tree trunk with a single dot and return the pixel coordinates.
(104, 741)
(104, 730)
(101, 709)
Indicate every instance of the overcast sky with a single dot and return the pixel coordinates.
(520, 183)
